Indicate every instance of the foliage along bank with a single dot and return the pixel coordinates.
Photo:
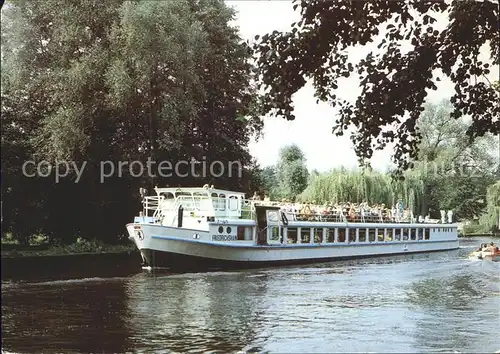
(116, 81)
(451, 173)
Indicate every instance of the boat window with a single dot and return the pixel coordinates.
(380, 234)
(406, 235)
(167, 195)
(183, 194)
(244, 233)
(292, 235)
(397, 234)
(274, 233)
(342, 235)
(215, 200)
(388, 235)
(330, 235)
(371, 235)
(200, 195)
(222, 202)
(272, 215)
(413, 235)
(427, 234)
(318, 235)
(233, 203)
(362, 235)
(351, 235)
(305, 235)
(420, 234)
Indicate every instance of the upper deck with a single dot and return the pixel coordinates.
(200, 201)
(208, 202)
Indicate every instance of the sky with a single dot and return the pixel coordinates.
(312, 128)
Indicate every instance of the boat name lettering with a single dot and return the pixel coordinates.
(223, 237)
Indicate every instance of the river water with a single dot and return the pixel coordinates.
(439, 302)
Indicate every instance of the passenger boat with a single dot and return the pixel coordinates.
(490, 252)
(209, 228)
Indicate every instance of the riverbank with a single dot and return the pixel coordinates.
(12, 249)
(69, 266)
(479, 234)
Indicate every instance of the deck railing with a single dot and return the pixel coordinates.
(320, 213)
(245, 209)
(152, 204)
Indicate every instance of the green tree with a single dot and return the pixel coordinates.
(451, 172)
(119, 81)
(53, 63)
(394, 82)
(291, 172)
(269, 180)
(455, 170)
(314, 173)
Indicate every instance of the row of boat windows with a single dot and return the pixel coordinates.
(442, 229)
(193, 200)
(303, 234)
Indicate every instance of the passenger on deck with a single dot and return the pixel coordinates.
(255, 196)
(352, 213)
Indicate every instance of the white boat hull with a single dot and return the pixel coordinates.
(179, 248)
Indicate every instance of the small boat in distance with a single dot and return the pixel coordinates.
(206, 228)
(490, 252)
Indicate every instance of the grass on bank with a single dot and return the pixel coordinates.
(39, 246)
(476, 229)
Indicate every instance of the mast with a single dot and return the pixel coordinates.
(152, 123)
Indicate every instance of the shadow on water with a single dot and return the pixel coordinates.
(72, 266)
(85, 315)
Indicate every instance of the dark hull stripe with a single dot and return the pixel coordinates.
(180, 262)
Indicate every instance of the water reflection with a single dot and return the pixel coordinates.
(460, 293)
(195, 312)
(85, 315)
(457, 311)
(422, 303)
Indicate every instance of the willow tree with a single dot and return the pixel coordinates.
(394, 82)
(338, 186)
(490, 220)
